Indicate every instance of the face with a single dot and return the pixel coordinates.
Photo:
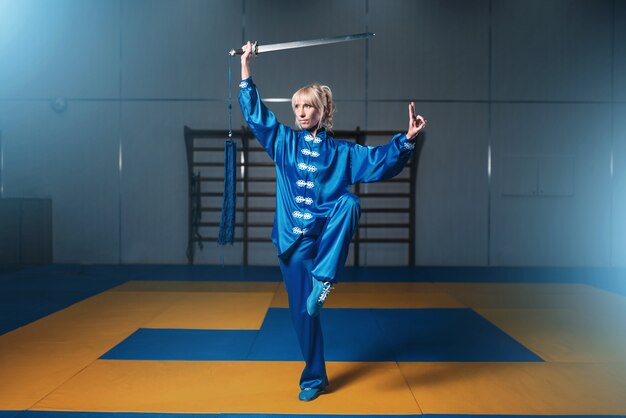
(308, 116)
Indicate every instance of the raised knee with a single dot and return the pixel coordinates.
(351, 201)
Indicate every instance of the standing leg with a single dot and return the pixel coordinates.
(296, 271)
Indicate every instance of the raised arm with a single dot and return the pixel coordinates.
(259, 118)
(369, 164)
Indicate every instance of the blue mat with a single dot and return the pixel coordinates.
(412, 335)
(31, 293)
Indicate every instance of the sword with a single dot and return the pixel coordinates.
(302, 44)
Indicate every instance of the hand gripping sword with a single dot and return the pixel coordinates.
(258, 49)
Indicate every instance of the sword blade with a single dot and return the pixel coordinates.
(313, 42)
(304, 44)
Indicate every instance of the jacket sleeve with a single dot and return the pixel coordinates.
(261, 121)
(369, 164)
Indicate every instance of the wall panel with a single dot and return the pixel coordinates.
(451, 179)
(568, 224)
(72, 158)
(619, 52)
(429, 49)
(551, 50)
(548, 66)
(61, 48)
(178, 50)
(340, 66)
(618, 226)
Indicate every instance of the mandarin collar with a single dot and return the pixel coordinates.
(321, 134)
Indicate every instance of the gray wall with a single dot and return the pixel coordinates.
(524, 161)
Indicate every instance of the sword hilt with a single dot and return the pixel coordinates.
(239, 51)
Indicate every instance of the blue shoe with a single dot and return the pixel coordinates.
(316, 299)
(308, 394)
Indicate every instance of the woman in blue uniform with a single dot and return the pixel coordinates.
(316, 216)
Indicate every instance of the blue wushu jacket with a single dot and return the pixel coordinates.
(312, 172)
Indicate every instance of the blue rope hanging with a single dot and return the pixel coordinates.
(226, 234)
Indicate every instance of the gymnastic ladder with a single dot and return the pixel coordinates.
(205, 173)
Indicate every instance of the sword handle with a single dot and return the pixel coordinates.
(239, 51)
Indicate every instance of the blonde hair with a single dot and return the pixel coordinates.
(320, 97)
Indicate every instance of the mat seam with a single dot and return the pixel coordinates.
(399, 368)
(30, 408)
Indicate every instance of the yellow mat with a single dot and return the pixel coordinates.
(213, 286)
(53, 363)
(564, 335)
(212, 387)
(382, 295)
(532, 295)
(518, 388)
(214, 311)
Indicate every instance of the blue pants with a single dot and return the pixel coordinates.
(317, 258)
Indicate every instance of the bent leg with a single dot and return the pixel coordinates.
(334, 240)
(296, 271)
